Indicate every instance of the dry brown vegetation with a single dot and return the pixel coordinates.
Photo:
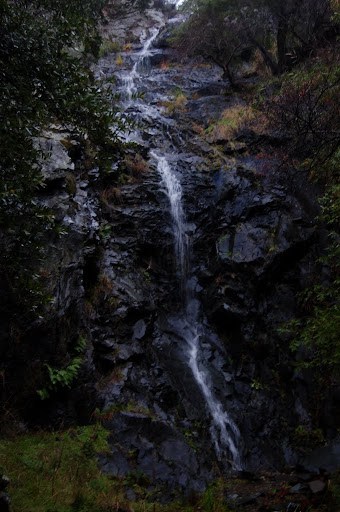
(233, 120)
(111, 195)
(136, 166)
(176, 104)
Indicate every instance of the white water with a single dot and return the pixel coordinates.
(130, 79)
(173, 190)
(224, 431)
(177, 3)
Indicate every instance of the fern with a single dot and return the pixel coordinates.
(60, 378)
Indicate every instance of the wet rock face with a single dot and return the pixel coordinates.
(114, 277)
(252, 257)
(125, 24)
(251, 242)
(160, 452)
(69, 195)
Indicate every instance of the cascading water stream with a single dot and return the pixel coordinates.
(144, 54)
(224, 432)
(173, 190)
(176, 3)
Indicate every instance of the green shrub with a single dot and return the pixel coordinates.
(318, 330)
(108, 47)
(306, 109)
(305, 438)
(42, 81)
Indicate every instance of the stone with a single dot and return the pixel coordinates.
(325, 457)
(139, 330)
(317, 486)
(228, 377)
(130, 495)
(5, 502)
(246, 500)
(175, 450)
(127, 352)
(233, 497)
(234, 147)
(115, 464)
(57, 160)
(297, 489)
(4, 482)
(250, 243)
(105, 345)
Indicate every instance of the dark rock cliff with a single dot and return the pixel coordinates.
(112, 277)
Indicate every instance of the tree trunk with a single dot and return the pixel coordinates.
(227, 74)
(265, 54)
(268, 59)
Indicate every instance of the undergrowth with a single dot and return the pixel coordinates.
(59, 472)
(55, 471)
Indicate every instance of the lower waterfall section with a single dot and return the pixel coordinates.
(224, 432)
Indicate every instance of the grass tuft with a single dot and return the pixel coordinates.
(232, 121)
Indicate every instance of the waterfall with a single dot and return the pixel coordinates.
(224, 431)
(176, 3)
(141, 62)
(173, 190)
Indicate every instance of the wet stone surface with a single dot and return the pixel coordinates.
(243, 231)
(250, 247)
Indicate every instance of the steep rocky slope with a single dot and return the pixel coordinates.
(115, 282)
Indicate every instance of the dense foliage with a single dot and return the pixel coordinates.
(283, 32)
(319, 330)
(307, 110)
(44, 78)
(213, 32)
